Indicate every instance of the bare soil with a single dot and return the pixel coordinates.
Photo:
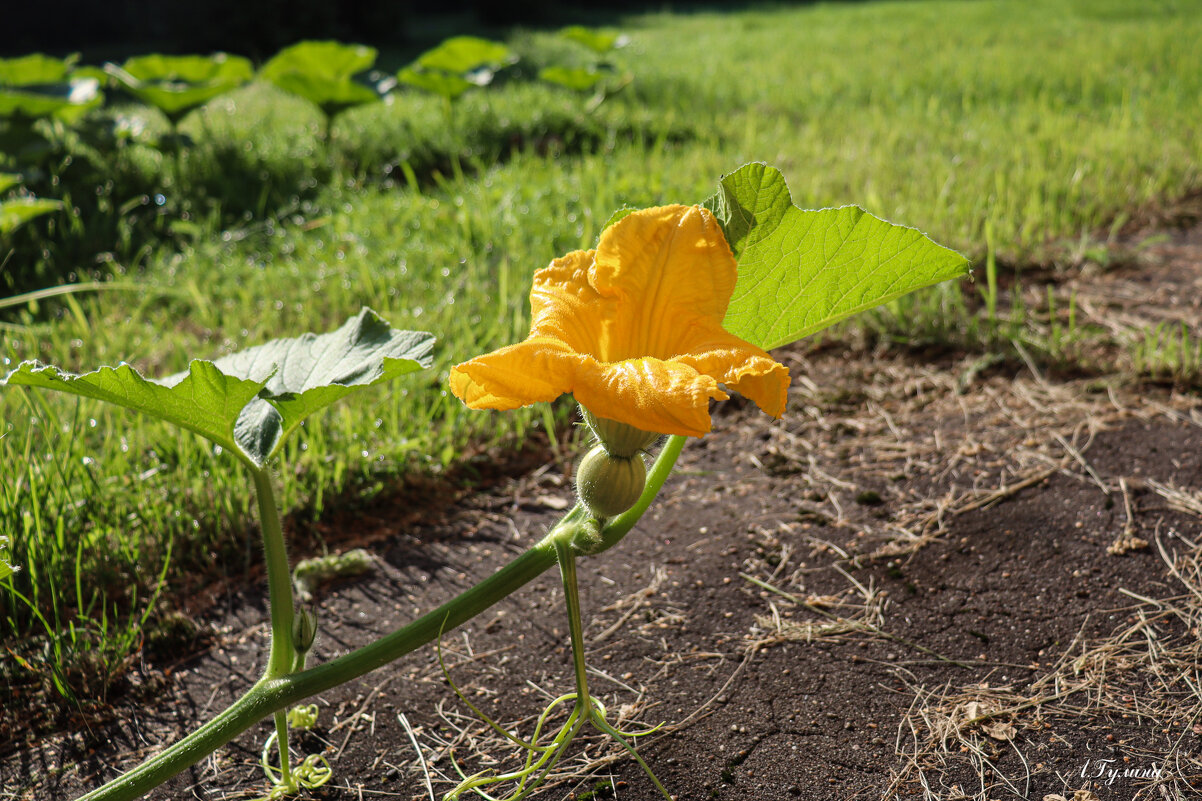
(928, 580)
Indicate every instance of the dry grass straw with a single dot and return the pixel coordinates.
(938, 441)
(1146, 674)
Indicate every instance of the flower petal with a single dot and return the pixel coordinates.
(535, 370)
(564, 306)
(651, 394)
(670, 269)
(741, 367)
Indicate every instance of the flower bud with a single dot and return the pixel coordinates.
(618, 439)
(304, 629)
(609, 485)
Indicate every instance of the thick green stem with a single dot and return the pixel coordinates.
(279, 578)
(567, 571)
(281, 744)
(279, 590)
(270, 695)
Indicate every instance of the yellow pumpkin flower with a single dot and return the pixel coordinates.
(634, 330)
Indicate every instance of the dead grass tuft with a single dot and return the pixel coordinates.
(1145, 677)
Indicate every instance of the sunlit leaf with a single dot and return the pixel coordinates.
(204, 399)
(579, 79)
(15, 213)
(456, 65)
(177, 84)
(466, 53)
(35, 68)
(309, 372)
(440, 83)
(596, 40)
(801, 271)
(324, 74)
(248, 402)
(8, 180)
(38, 85)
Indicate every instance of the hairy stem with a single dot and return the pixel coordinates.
(279, 590)
(571, 594)
(279, 578)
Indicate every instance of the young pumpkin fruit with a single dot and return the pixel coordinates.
(609, 485)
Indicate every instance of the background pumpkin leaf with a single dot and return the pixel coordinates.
(599, 41)
(437, 82)
(176, 85)
(578, 79)
(456, 65)
(461, 54)
(38, 85)
(324, 74)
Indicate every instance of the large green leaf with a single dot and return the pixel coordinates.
(309, 372)
(462, 54)
(599, 41)
(578, 79)
(68, 100)
(35, 68)
(17, 212)
(39, 86)
(248, 402)
(457, 65)
(440, 83)
(204, 399)
(177, 84)
(324, 74)
(801, 271)
(8, 180)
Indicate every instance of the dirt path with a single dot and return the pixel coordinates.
(927, 581)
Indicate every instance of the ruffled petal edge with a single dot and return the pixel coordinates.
(535, 370)
(667, 397)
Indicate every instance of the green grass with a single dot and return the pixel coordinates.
(1048, 123)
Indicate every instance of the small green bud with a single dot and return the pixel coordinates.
(609, 485)
(304, 629)
(618, 439)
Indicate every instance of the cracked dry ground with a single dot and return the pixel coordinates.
(925, 581)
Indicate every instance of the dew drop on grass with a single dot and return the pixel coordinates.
(160, 200)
